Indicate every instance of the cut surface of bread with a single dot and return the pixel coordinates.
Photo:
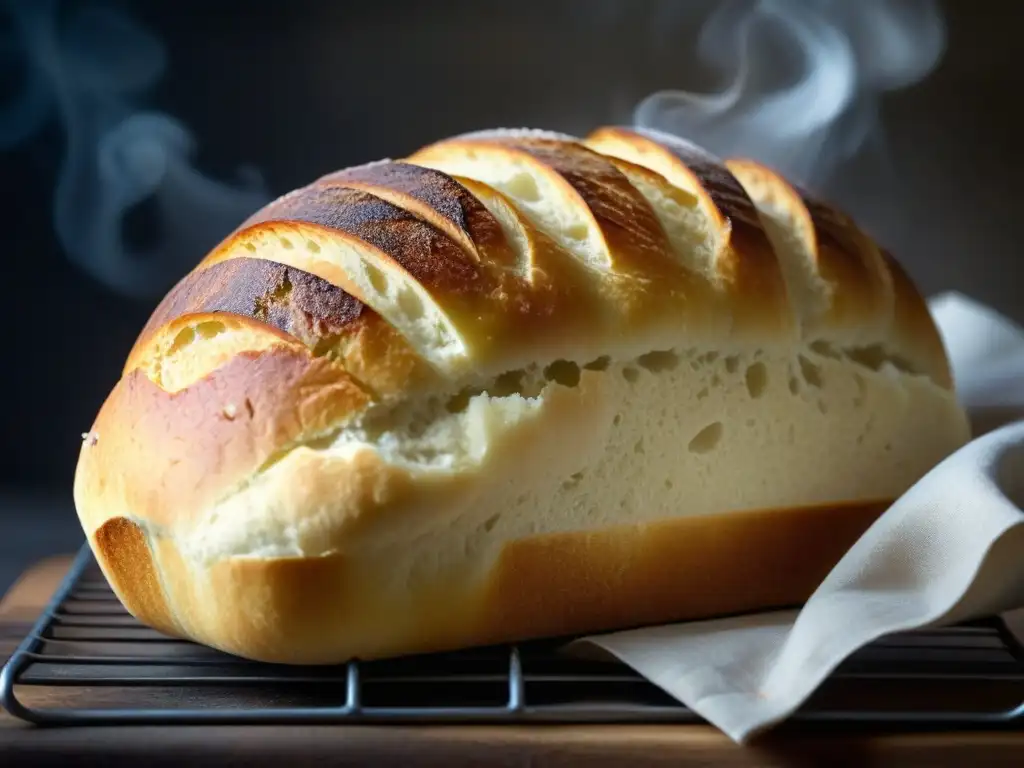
(518, 384)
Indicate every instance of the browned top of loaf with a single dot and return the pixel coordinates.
(433, 196)
(210, 436)
(522, 290)
(423, 251)
(745, 259)
(291, 300)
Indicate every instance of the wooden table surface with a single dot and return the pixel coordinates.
(628, 745)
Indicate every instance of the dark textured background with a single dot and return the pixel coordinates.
(303, 87)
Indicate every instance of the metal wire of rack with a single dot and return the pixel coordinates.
(87, 661)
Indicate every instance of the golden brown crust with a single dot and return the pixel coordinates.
(855, 302)
(745, 259)
(850, 260)
(329, 609)
(123, 554)
(430, 257)
(626, 258)
(494, 300)
(293, 301)
(914, 329)
(563, 300)
(871, 296)
(635, 242)
(436, 198)
(914, 338)
(210, 436)
(243, 243)
(325, 318)
(671, 570)
(627, 222)
(536, 295)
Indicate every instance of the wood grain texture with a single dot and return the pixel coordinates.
(24, 601)
(496, 746)
(659, 745)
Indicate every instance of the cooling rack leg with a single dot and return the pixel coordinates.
(20, 658)
(516, 684)
(8, 676)
(353, 688)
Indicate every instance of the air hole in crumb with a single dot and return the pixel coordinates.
(757, 379)
(572, 481)
(250, 248)
(286, 243)
(523, 187)
(862, 387)
(794, 385)
(376, 278)
(706, 440)
(825, 349)
(732, 364)
(601, 364)
(630, 374)
(563, 372)
(639, 447)
(458, 403)
(709, 357)
(508, 383)
(617, 420)
(209, 329)
(655, 362)
(716, 380)
(577, 232)
(823, 406)
(702, 393)
(810, 372)
(872, 357)
(410, 305)
(491, 521)
(184, 337)
(668, 485)
(312, 247)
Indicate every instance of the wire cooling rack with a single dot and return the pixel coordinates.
(87, 661)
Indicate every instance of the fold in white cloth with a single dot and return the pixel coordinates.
(950, 549)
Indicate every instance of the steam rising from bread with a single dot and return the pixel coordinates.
(92, 66)
(805, 79)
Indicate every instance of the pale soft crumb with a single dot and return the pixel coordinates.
(672, 433)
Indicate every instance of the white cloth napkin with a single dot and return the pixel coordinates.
(950, 549)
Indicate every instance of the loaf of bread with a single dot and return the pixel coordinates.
(519, 384)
